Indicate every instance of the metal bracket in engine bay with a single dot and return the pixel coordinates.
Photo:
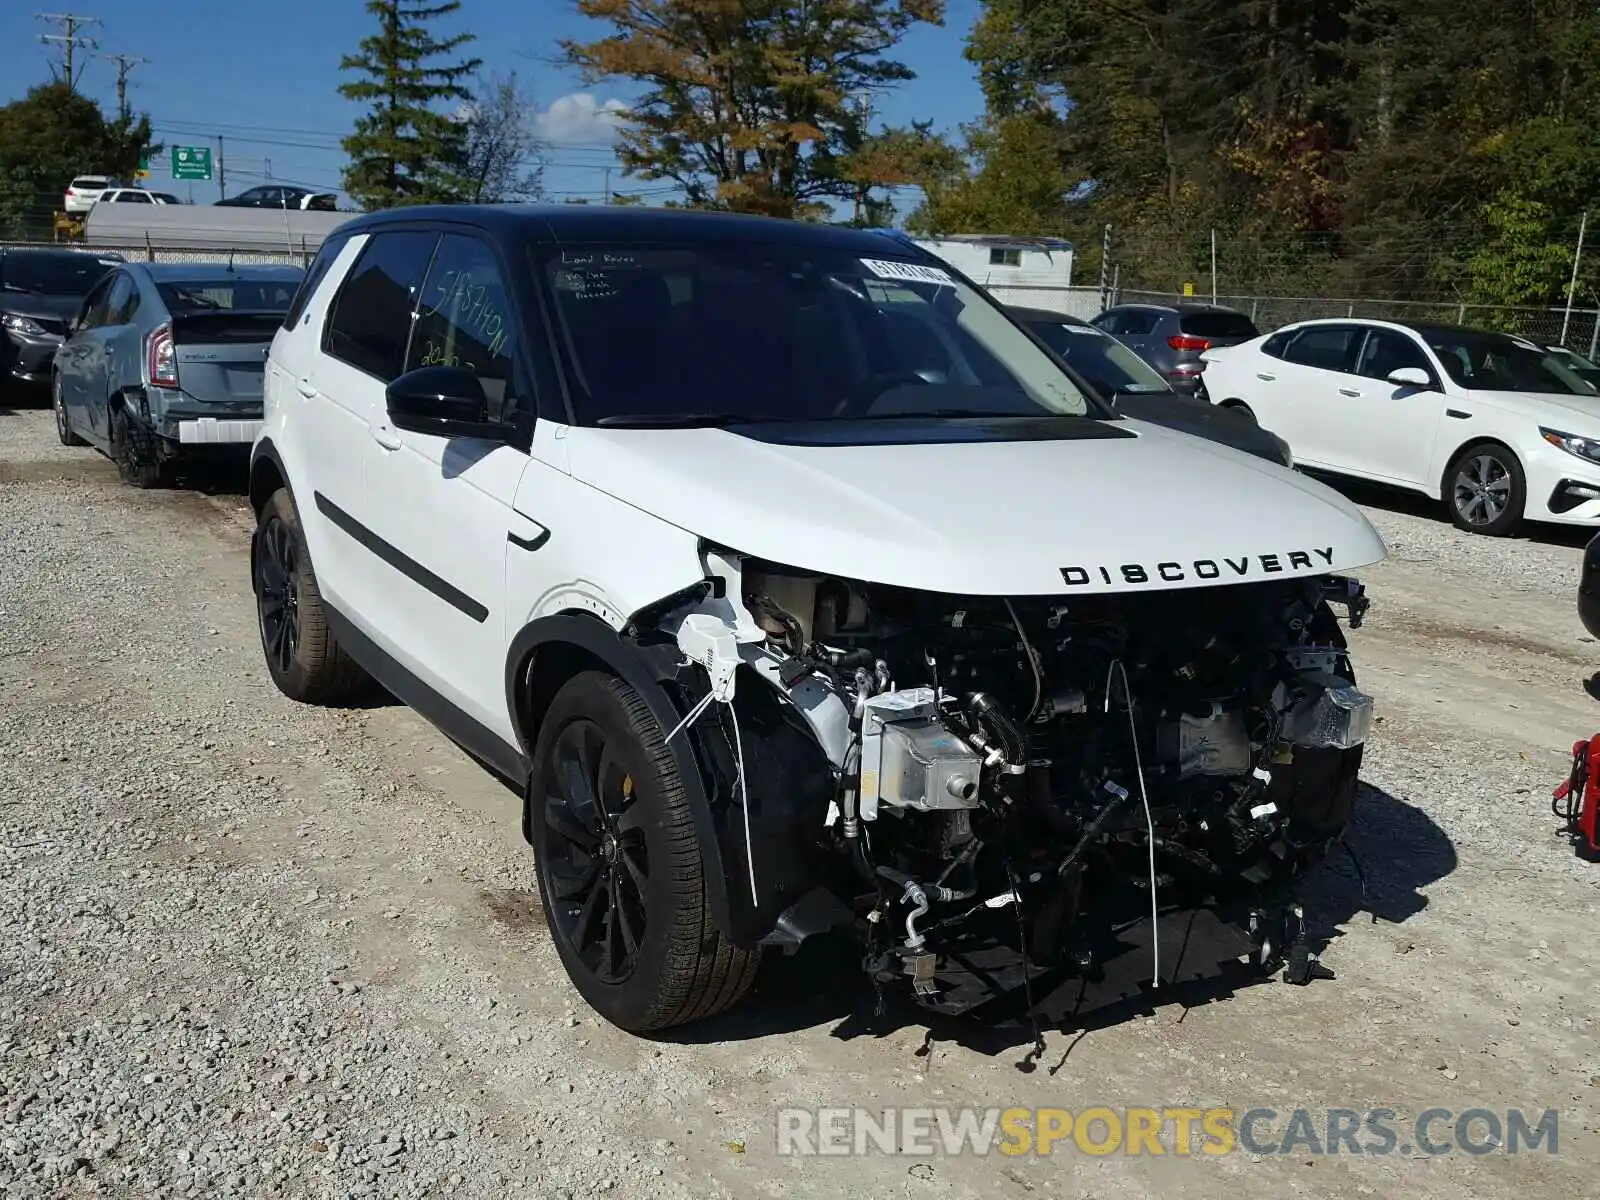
(1352, 594)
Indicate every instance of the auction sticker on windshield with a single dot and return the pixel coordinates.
(913, 272)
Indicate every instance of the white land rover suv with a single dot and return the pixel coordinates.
(796, 588)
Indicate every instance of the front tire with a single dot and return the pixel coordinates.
(621, 876)
(1485, 490)
(304, 659)
(58, 402)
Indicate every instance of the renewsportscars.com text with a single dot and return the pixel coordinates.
(1181, 1132)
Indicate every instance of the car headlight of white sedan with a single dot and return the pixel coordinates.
(1584, 447)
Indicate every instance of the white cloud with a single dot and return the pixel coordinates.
(580, 118)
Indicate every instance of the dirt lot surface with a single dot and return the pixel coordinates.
(250, 949)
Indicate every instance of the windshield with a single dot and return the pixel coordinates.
(1100, 358)
(770, 332)
(246, 295)
(51, 274)
(1494, 362)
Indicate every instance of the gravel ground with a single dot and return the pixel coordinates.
(254, 949)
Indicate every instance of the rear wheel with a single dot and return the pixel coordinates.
(63, 426)
(303, 658)
(136, 449)
(1241, 410)
(1485, 490)
(619, 865)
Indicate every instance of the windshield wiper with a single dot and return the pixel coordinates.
(684, 420)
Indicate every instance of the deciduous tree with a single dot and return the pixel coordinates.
(749, 105)
(500, 160)
(49, 136)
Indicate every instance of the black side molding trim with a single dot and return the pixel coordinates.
(406, 565)
(533, 543)
(1457, 414)
(483, 744)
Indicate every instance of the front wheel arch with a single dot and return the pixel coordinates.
(549, 652)
(1520, 485)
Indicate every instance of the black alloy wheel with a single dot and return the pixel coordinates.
(277, 586)
(596, 864)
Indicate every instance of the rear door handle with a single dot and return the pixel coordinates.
(1348, 392)
(1266, 378)
(386, 437)
(306, 388)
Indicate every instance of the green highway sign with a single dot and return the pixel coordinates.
(191, 162)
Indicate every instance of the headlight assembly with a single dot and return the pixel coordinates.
(1584, 447)
(25, 325)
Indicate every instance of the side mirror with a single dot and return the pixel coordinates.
(1414, 377)
(443, 402)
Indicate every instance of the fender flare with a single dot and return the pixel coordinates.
(644, 674)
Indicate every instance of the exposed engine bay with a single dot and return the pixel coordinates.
(1031, 774)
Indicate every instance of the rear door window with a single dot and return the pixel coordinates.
(369, 324)
(124, 300)
(1230, 325)
(1136, 322)
(1328, 347)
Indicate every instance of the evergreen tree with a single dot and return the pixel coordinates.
(409, 149)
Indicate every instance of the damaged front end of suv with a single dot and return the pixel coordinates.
(987, 788)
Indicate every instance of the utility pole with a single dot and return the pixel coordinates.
(1572, 286)
(125, 63)
(607, 200)
(1105, 267)
(70, 40)
(222, 172)
(1213, 268)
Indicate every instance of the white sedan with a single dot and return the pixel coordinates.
(1493, 425)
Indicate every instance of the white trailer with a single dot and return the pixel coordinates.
(1035, 272)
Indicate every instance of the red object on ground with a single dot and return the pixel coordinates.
(1577, 800)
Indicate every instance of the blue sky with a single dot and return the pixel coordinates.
(262, 76)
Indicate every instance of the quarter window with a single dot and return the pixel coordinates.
(465, 317)
(370, 322)
(319, 267)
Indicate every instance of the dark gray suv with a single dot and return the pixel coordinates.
(1171, 338)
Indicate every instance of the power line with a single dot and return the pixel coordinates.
(70, 41)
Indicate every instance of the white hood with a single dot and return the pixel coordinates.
(1161, 510)
(1579, 415)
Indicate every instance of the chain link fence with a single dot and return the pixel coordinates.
(1578, 329)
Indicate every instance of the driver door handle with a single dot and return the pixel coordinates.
(1265, 377)
(1349, 392)
(386, 437)
(306, 388)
